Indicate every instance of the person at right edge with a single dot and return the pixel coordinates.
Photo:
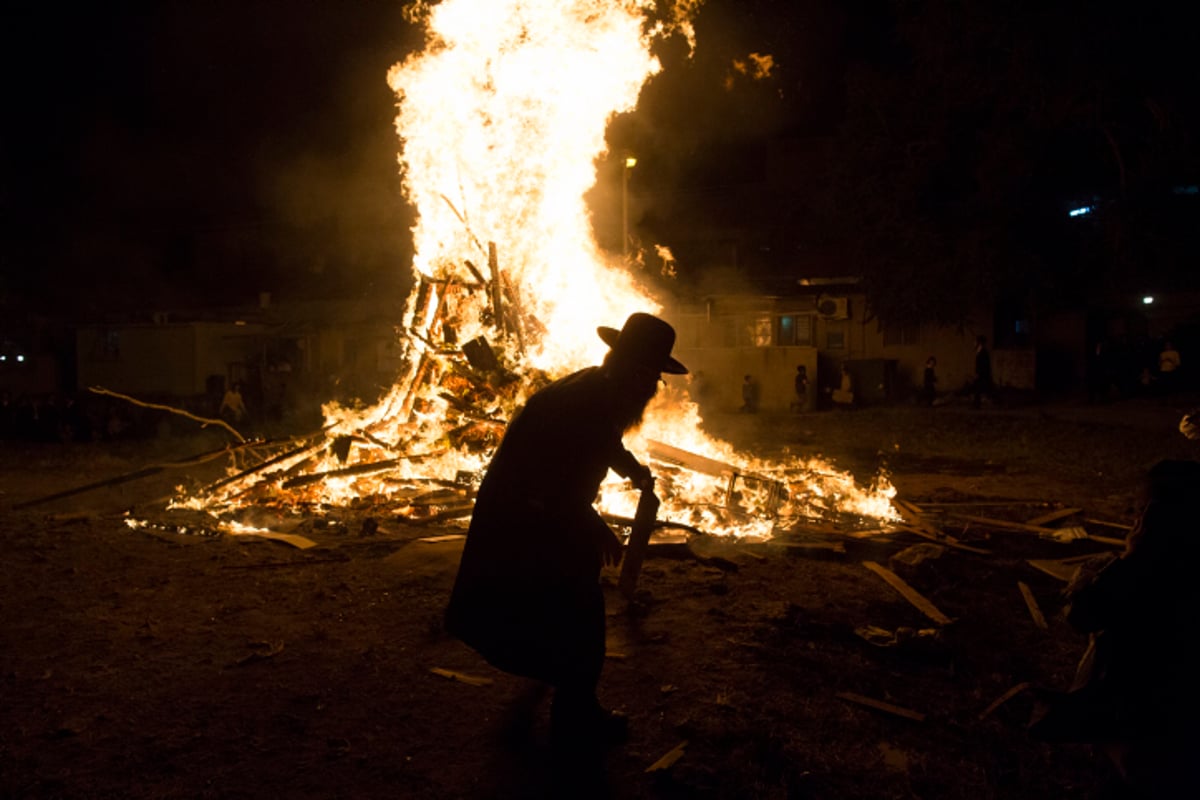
(527, 595)
(1134, 694)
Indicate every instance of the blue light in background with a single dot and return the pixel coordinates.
(1081, 211)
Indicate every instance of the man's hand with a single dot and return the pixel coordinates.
(643, 478)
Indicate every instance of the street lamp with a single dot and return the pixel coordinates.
(630, 163)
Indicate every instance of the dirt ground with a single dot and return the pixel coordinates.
(148, 664)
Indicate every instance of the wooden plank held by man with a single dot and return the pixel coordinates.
(639, 541)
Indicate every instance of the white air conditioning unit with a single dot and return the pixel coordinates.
(834, 307)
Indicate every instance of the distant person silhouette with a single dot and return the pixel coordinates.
(800, 386)
(749, 395)
(983, 385)
(843, 396)
(929, 382)
(1168, 367)
(233, 405)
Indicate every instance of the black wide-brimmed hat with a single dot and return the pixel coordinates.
(644, 340)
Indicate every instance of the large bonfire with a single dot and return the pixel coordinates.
(501, 121)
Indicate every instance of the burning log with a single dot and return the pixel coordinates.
(345, 472)
(776, 492)
(308, 447)
(497, 289)
(463, 220)
(480, 355)
(480, 280)
(454, 512)
(514, 317)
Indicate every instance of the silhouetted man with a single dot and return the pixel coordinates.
(1135, 689)
(527, 596)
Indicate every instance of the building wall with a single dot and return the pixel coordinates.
(718, 373)
(726, 337)
(167, 359)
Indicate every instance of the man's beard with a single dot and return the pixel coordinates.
(631, 401)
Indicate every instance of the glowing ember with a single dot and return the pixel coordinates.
(502, 118)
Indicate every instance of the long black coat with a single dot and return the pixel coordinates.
(527, 594)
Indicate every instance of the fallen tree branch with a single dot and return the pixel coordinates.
(204, 421)
(144, 472)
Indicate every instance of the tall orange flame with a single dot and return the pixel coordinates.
(502, 119)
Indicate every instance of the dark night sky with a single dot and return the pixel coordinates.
(141, 138)
(204, 151)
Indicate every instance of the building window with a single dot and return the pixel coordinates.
(106, 346)
(763, 330)
(901, 334)
(835, 338)
(794, 329)
(755, 331)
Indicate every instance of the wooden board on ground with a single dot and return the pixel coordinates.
(461, 677)
(1031, 603)
(1004, 698)
(910, 594)
(1053, 516)
(880, 705)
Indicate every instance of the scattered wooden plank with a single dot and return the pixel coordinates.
(449, 537)
(912, 508)
(1055, 568)
(836, 547)
(670, 758)
(126, 478)
(1108, 540)
(295, 540)
(879, 705)
(1108, 524)
(272, 564)
(1031, 603)
(261, 652)
(1006, 503)
(908, 593)
(992, 522)
(1004, 698)
(454, 512)
(944, 539)
(1079, 559)
(1053, 516)
(461, 677)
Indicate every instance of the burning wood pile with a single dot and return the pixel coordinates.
(421, 452)
(510, 160)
